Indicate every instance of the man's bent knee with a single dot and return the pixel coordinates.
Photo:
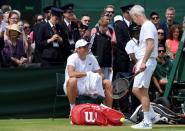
(72, 81)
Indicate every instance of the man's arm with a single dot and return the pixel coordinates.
(73, 73)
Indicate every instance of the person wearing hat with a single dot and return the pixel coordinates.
(13, 53)
(145, 66)
(122, 60)
(49, 40)
(47, 16)
(78, 66)
(71, 29)
(132, 44)
(47, 12)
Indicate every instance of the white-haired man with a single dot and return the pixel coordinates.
(78, 66)
(146, 64)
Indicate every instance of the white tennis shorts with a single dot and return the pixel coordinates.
(143, 79)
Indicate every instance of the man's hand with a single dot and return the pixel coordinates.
(142, 67)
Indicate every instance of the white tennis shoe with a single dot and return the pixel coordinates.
(142, 125)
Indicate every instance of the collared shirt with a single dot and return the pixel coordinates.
(132, 46)
(127, 22)
(67, 23)
(51, 24)
(163, 69)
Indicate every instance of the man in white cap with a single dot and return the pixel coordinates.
(78, 66)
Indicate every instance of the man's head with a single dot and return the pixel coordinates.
(154, 17)
(109, 9)
(161, 51)
(170, 15)
(55, 15)
(68, 11)
(137, 13)
(125, 11)
(82, 48)
(86, 19)
(47, 12)
(161, 34)
(134, 31)
(118, 18)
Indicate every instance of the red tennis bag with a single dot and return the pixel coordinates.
(93, 114)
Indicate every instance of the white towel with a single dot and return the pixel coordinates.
(91, 85)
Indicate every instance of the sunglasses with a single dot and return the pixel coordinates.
(160, 33)
(155, 18)
(163, 51)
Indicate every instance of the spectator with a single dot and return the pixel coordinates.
(71, 29)
(79, 65)
(132, 45)
(86, 20)
(29, 40)
(13, 52)
(122, 61)
(170, 20)
(50, 40)
(110, 32)
(47, 13)
(163, 68)
(154, 17)
(2, 25)
(6, 8)
(101, 47)
(161, 36)
(109, 11)
(13, 18)
(172, 42)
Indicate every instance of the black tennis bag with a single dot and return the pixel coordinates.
(166, 115)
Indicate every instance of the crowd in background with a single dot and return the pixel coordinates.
(51, 39)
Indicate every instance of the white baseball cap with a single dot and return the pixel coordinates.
(81, 43)
(118, 18)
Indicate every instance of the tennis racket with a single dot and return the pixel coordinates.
(121, 86)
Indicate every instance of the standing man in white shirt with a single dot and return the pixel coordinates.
(146, 65)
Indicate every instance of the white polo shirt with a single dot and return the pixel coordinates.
(132, 46)
(148, 30)
(89, 64)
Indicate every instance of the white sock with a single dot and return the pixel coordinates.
(151, 111)
(71, 106)
(147, 117)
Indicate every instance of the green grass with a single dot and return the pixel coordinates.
(63, 125)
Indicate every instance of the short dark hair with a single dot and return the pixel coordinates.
(161, 45)
(153, 13)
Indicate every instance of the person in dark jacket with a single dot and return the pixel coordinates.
(71, 32)
(50, 40)
(122, 36)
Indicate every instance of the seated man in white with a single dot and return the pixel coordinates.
(83, 76)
